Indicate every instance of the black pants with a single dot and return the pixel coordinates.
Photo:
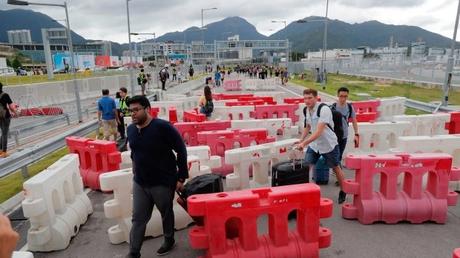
(163, 85)
(144, 199)
(121, 127)
(342, 145)
(4, 127)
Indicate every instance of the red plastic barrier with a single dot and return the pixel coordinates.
(96, 157)
(154, 111)
(456, 253)
(237, 212)
(222, 96)
(173, 115)
(293, 100)
(366, 117)
(276, 111)
(193, 116)
(190, 130)
(232, 85)
(367, 106)
(454, 125)
(245, 103)
(220, 141)
(43, 111)
(413, 203)
(267, 100)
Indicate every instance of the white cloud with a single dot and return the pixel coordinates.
(106, 19)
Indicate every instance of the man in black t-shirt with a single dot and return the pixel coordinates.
(5, 119)
(158, 172)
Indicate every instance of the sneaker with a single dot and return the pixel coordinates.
(342, 197)
(166, 247)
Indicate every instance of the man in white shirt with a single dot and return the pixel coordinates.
(323, 140)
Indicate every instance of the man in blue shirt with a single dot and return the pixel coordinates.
(157, 172)
(106, 115)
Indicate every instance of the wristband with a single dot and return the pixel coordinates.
(356, 134)
(182, 180)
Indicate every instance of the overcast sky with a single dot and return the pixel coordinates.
(106, 19)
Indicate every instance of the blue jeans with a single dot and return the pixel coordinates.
(332, 158)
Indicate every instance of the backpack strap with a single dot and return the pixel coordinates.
(318, 113)
(350, 109)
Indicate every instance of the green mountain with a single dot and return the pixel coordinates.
(19, 19)
(309, 35)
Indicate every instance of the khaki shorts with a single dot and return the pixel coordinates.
(109, 127)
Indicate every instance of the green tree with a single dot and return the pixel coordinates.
(16, 63)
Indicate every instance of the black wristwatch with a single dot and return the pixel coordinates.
(356, 134)
(182, 180)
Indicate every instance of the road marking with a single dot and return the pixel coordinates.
(290, 91)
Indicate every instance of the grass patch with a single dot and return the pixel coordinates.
(376, 89)
(413, 111)
(30, 79)
(12, 184)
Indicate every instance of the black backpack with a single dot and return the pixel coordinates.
(208, 107)
(336, 117)
(350, 108)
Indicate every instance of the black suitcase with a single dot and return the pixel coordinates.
(208, 183)
(290, 173)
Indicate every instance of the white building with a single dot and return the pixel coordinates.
(19, 37)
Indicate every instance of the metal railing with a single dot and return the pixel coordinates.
(20, 160)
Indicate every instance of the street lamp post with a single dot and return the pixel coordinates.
(450, 63)
(323, 56)
(202, 20)
(130, 67)
(70, 46)
(287, 41)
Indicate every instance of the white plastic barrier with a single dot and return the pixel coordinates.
(126, 161)
(204, 155)
(55, 205)
(161, 96)
(174, 97)
(275, 126)
(242, 159)
(390, 107)
(429, 124)
(189, 103)
(376, 137)
(120, 208)
(165, 105)
(259, 158)
(235, 113)
(278, 96)
(301, 116)
(449, 144)
(260, 85)
(22, 255)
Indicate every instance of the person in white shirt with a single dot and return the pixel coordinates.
(322, 140)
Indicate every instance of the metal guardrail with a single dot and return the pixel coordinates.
(427, 107)
(22, 159)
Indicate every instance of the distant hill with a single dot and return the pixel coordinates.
(309, 35)
(19, 19)
(303, 36)
(220, 30)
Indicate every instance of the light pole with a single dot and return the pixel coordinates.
(142, 33)
(323, 56)
(323, 51)
(70, 46)
(450, 63)
(130, 67)
(287, 41)
(202, 22)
